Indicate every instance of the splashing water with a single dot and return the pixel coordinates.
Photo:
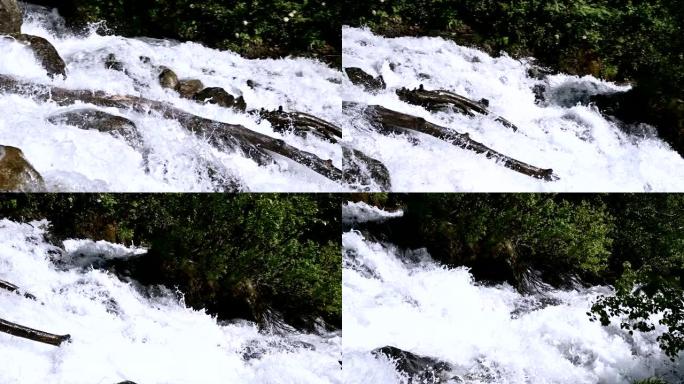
(587, 151)
(171, 159)
(489, 334)
(119, 334)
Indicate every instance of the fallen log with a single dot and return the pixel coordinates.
(393, 121)
(302, 124)
(439, 99)
(253, 144)
(32, 334)
(13, 288)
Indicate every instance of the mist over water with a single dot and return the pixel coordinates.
(488, 334)
(587, 151)
(169, 158)
(119, 333)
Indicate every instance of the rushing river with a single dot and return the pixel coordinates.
(170, 158)
(487, 334)
(586, 150)
(120, 334)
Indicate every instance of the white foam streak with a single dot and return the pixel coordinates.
(118, 334)
(588, 152)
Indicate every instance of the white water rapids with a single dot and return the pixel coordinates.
(587, 151)
(73, 159)
(119, 334)
(489, 334)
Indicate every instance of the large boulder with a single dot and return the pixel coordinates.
(45, 52)
(90, 118)
(10, 17)
(188, 88)
(169, 79)
(16, 173)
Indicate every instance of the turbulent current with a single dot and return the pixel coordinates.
(118, 334)
(564, 132)
(486, 334)
(169, 158)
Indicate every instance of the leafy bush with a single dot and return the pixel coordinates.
(253, 27)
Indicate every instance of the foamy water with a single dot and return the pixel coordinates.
(119, 334)
(72, 159)
(587, 152)
(489, 334)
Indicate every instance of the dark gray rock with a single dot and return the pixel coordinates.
(111, 62)
(217, 95)
(419, 369)
(364, 172)
(361, 78)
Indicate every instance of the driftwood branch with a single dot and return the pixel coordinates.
(253, 144)
(399, 122)
(32, 334)
(440, 99)
(13, 288)
(302, 123)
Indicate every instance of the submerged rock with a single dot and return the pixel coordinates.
(168, 79)
(45, 52)
(16, 173)
(111, 62)
(89, 118)
(419, 369)
(189, 87)
(217, 95)
(10, 17)
(364, 171)
(361, 78)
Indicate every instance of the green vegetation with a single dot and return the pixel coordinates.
(252, 27)
(235, 255)
(638, 41)
(634, 242)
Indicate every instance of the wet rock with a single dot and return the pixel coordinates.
(217, 95)
(10, 17)
(539, 91)
(189, 87)
(419, 369)
(45, 52)
(89, 118)
(111, 62)
(538, 73)
(361, 78)
(16, 173)
(168, 79)
(364, 171)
